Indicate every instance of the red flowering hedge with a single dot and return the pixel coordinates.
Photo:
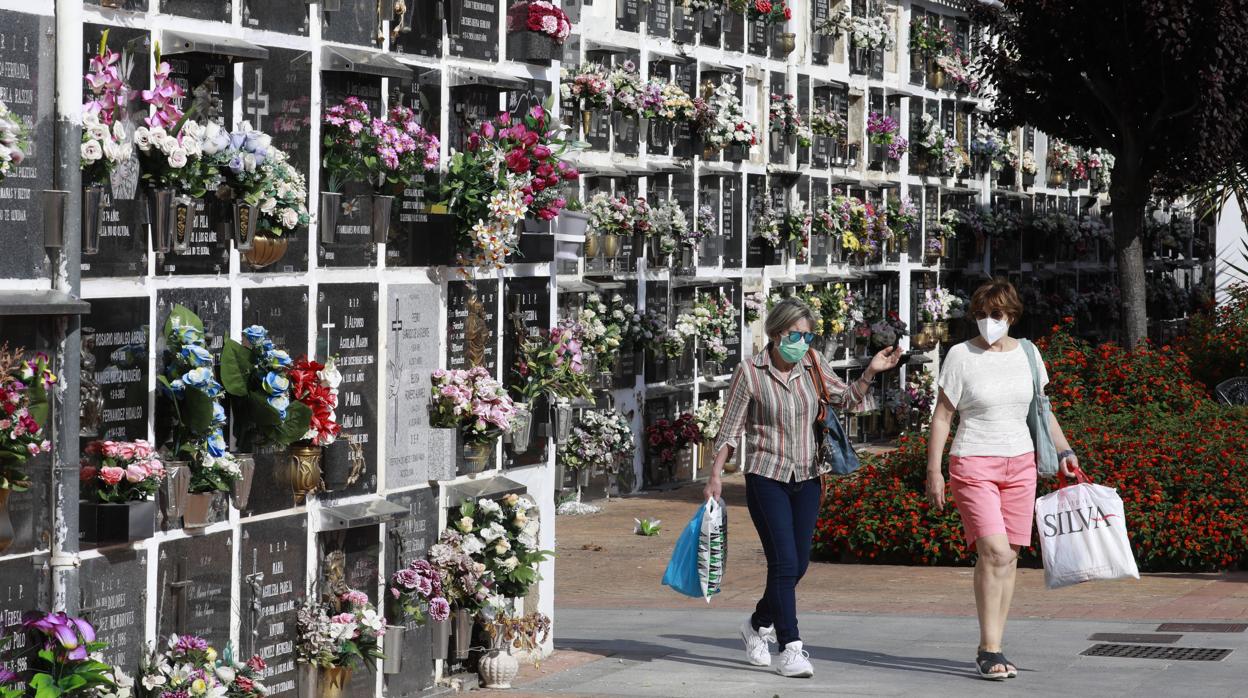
(1140, 423)
(1217, 340)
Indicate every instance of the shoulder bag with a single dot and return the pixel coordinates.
(835, 453)
(1038, 418)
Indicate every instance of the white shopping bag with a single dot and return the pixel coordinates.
(1083, 534)
(712, 547)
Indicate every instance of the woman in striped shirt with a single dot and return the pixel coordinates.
(773, 400)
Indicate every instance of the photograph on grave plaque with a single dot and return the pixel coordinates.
(26, 90)
(347, 329)
(113, 402)
(272, 579)
(472, 324)
(193, 587)
(285, 16)
(408, 539)
(113, 590)
(411, 458)
(473, 29)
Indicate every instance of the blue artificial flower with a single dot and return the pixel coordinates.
(276, 384)
(175, 388)
(216, 444)
(212, 388)
(196, 355)
(189, 335)
(279, 403)
(256, 334)
(237, 138)
(198, 378)
(218, 413)
(278, 359)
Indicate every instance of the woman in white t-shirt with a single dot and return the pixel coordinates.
(992, 467)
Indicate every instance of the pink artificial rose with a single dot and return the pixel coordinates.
(125, 450)
(136, 473)
(87, 474)
(111, 475)
(109, 449)
(156, 468)
(142, 449)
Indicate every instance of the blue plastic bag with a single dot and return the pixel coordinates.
(697, 564)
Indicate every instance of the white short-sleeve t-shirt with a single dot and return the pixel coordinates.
(992, 392)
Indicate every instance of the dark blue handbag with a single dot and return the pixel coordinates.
(835, 453)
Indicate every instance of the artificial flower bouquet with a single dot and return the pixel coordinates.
(502, 535)
(668, 437)
(704, 226)
(62, 658)
(797, 223)
(416, 595)
(648, 332)
(541, 17)
(960, 70)
(315, 385)
(191, 386)
(676, 105)
(14, 140)
(754, 306)
(588, 84)
(721, 121)
(627, 88)
(769, 11)
(187, 666)
(708, 416)
(1064, 158)
(929, 37)
(887, 331)
(105, 144)
(341, 633)
(472, 402)
(669, 227)
(550, 363)
(604, 327)
(884, 130)
(599, 441)
(611, 215)
(466, 583)
(786, 120)
(24, 386)
(117, 472)
(903, 218)
(936, 304)
(358, 147)
(767, 225)
(256, 172)
(255, 373)
(827, 121)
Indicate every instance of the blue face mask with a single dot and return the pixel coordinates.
(793, 351)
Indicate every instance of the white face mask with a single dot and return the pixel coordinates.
(992, 330)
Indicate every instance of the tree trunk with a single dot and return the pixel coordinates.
(1129, 193)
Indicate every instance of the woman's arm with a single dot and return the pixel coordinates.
(1065, 454)
(938, 434)
(857, 395)
(736, 409)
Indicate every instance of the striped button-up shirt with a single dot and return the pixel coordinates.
(777, 414)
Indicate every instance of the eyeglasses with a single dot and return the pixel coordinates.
(796, 336)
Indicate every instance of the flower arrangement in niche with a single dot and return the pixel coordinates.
(676, 105)
(627, 88)
(797, 223)
(600, 336)
(649, 331)
(343, 633)
(116, 472)
(502, 535)
(769, 11)
(1063, 157)
(60, 655)
(991, 148)
(870, 33)
(1027, 163)
(356, 147)
(937, 303)
(466, 583)
(708, 416)
(960, 69)
(541, 17)
(786, 118)
(472, 402)
(715, 320)
(550, 363)
(190, 384)
(598, 441)
(721, 120)
(315, 385)
(589, 84)
(257, 375)
(667, 438)
(826, 121)
(929, 37)
(903, 217)
(706, 225)
(883, 129)
(767, 224)
(24, 385)
(14, 140)
(611, 215)
(1099, 164)
(104, 141)
(242, 679)
(416, 594)
(185, 667)
(887, 331)
(754, 306)
(669, 226)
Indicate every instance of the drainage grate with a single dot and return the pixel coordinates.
(1191, 654)
(1202, 627)
(1142, 638)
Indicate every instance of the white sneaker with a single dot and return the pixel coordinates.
(795, 662)
(756, 643)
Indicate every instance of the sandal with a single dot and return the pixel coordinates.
(985, 661)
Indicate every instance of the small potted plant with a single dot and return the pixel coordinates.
(24, 385)
(120, 480)
(61, 656)
(336, 637)
(316, 386)
(534, 29)
(415, 598)
(498, 668)
(476, 406)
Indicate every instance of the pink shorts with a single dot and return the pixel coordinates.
(995, 495)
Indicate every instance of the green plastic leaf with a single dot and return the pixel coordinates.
(235, 368)
(298, 419)
(196, 411)
(261, 412)
(184, 317)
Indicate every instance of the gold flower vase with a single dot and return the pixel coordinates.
(332, 682)
(301, 472)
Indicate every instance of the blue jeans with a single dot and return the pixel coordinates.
(784, 514)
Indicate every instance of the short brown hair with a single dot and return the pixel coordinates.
(997, 294)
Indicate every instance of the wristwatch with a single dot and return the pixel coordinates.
(1062, 456)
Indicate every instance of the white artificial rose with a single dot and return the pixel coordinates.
(143, 138)
(502, 546)
(471, 545)
(466, 523)
(268, 205)
(119, 131)
(98, 132)
(90, 119)
(177, 158)
(226, 674)
(192, 147)
(330, 377)
(264, 141)
(249, 164)
(192, 129)
(113, 152)
(91, 151)
(290, 218)
(168, 144)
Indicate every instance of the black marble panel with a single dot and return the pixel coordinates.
(525, 302)
(756, 37)
(420, 31)
(410, 208)
(659, 18)
(26, 87)
(23, 587)
(730, 190)
(459, 293)
(277, 99)
(412, 356)
(684, 24)
(285, 16)
(212, 10)
(408, 539)
(658, 301)
(115, 369)
(283, 310)
(123, 235)
(272, 579)
(356, 23)
(193, 587)
(131, 5)
(352, 246)
(470, 106)
(29, 511)
(213, 307)
(819, 11)
(472, 27)
(628, 15)
(734, 32)
(347, 329)
(113, 597)
(685, 75)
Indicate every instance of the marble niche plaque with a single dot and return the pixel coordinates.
(26, 77)
(22, 587)
(659, 18)
(356, 23)
(353, 557)
(212, 305)
(113, 589)
(472, 324)
(193, 587)
(628, 15)
(352, 245)
(115, 370)
(347, 329)
(420, 30)
(526, 303)
(285, 16)
(212, 10)
(283, 311)
(409, 233)
(409, 539)
(277, 99)
(123, 234)
(272, 580)
(472, 27)
(414, 311)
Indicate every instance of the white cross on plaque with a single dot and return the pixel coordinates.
(258, 101)
(327, 326)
